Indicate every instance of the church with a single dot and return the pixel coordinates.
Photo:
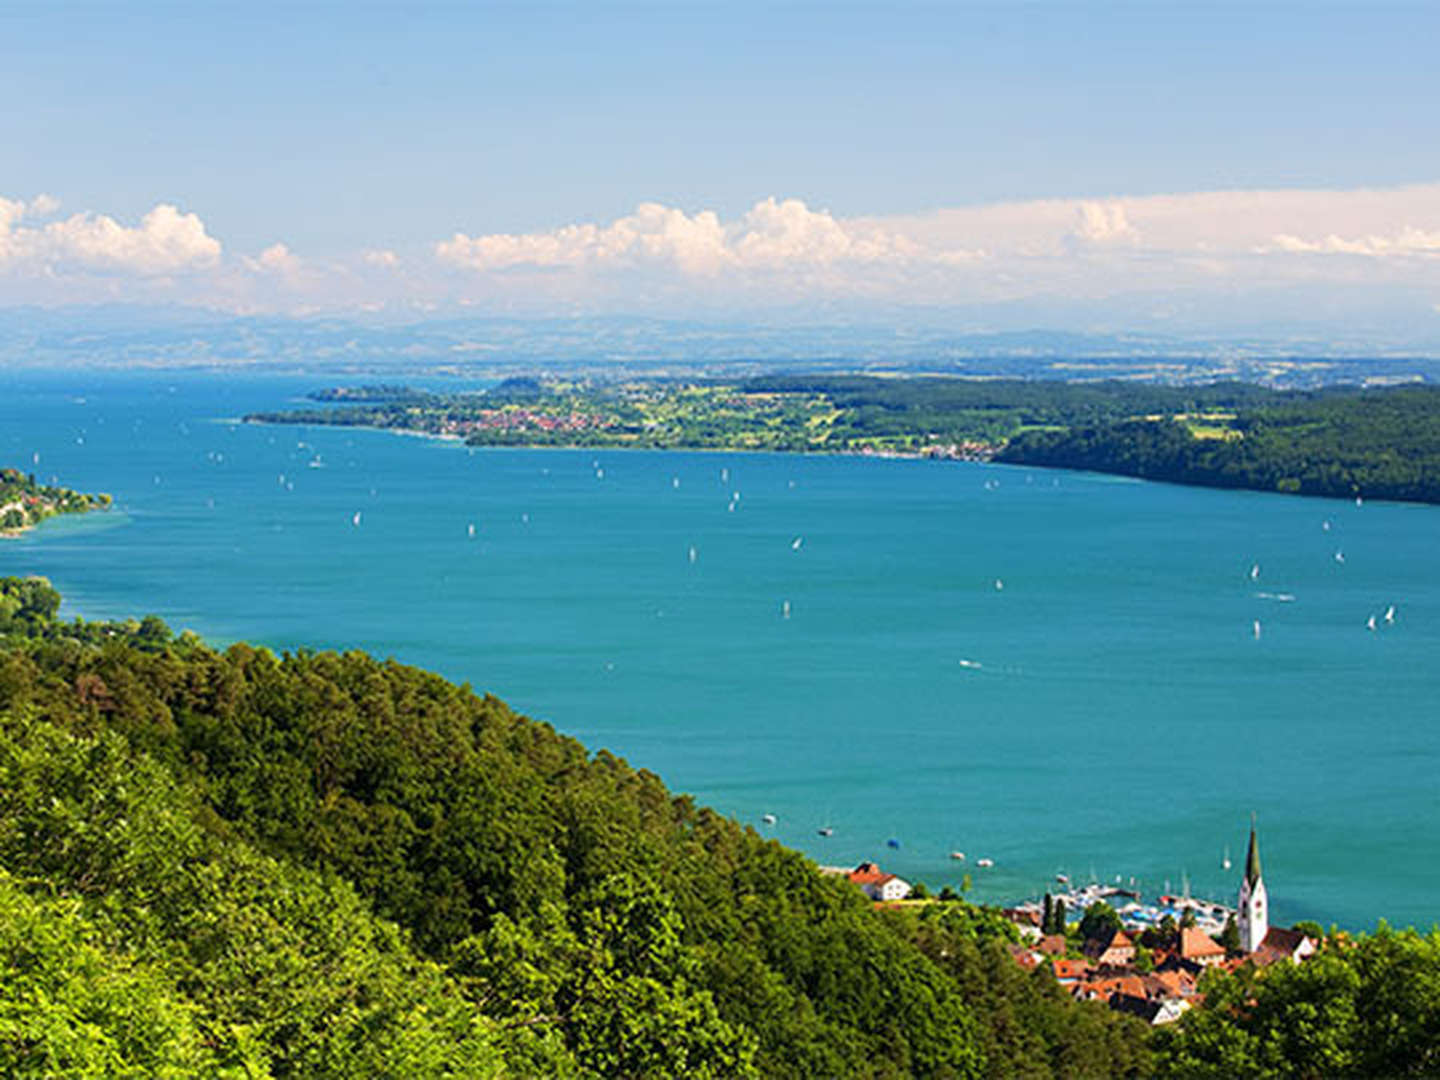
(1257, 938)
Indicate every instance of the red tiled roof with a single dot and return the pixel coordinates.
(1195, 942)
(1053, 944)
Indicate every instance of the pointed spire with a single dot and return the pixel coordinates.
(1252, 860)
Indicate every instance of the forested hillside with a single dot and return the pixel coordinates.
(330, 865)
(1375, 443)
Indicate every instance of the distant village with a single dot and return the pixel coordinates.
(1103, 944)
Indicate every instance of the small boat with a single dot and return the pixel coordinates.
(892, 843)
(1063, 879)
(693, 553)
(984, 862)
(958, 856)
(1225, 862)
(826, 831)
(1325, 525)
(356, 521)
(1255, 572)
(785, 609)
(1340, 556)
(999, 585)
(796, 543)
(472, 531)
(675, 482)
(768, 819)
(1257, 629)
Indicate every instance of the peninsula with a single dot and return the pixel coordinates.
(24, 502)
(1339, 441)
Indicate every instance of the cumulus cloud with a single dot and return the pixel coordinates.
(164, 242)
(773, 234)
(379, 257)
(1103, 223)
(1408, 241)
(275, 259)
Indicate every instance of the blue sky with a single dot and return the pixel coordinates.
(372, 134)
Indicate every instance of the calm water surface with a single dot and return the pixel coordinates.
(1108, 711)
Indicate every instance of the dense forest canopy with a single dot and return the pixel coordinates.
(327, 864)
(321, 864)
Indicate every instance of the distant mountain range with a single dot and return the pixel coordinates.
(125, 336)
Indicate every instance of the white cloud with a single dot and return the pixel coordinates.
(771, 235)
(165, 241)
(1408, 241)
(1104, 223)
(379, 257)
(275, 259)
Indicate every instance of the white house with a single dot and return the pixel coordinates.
(877, 884)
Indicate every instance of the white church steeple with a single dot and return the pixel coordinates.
(1253, 921)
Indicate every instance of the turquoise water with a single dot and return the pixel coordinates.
(1115, 715)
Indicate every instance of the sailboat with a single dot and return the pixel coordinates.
(1370, 623)
(1390, 614)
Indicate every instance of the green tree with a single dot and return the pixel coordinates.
(1230, 938)
(1099, 921)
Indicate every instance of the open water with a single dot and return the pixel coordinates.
(838, 651)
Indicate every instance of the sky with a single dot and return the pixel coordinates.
(1229, 168)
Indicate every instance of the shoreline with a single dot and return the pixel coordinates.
(884, 455)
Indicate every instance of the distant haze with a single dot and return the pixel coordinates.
(1187, 172)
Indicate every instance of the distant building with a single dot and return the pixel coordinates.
(877, 884)
(1199, 947)
(1254, 919)
(1070, 972)
(1282, 944)
(1053, 945)
(1151, 1010)
(1114, 950)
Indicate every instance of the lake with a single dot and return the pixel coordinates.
(1060, 672)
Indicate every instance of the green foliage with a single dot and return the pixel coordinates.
(1230, 937)
(1099, 921)
(73, 1003)
(239, 816)
(1363, 1009)
(1339, 442)
(24, 503)
(283, 971)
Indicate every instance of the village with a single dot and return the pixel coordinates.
(1104, 945)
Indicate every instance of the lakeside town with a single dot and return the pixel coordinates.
(25, 502)
(1105, 944)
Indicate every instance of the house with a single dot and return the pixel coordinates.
(1106, 988)
(1113, 950)
(1199, 947)
(1028, 959)
(1152, 1011)
(877, 884)
(1053, 945)
(1282, 944)
(1070, 972)
(1176, 983)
